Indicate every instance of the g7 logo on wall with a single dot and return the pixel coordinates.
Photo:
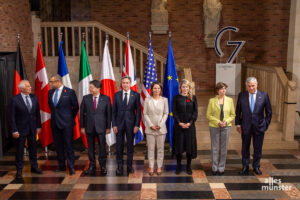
(238, 44)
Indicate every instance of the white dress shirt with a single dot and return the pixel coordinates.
(254, 98)
(59, 93)
(128, 95)
(24, 99)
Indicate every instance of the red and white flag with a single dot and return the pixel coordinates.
(128, 70)
(41, 91)
(109, 87)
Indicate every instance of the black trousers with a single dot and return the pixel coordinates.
(128, 132)
(20, 144)
(91, 148)
(63, 139)
(258, 139)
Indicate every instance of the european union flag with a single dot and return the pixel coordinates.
(170, 89)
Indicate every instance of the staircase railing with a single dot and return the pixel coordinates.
(282, 94)
(95, 35)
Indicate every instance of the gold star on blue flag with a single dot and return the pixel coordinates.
(170, 89)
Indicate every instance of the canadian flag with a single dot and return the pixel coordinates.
(109, 87)
(41, 91)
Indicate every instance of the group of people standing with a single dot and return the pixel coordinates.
(253, 115)
(252, 118)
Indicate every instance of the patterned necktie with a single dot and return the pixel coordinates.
(27, 103)
(55, 97)
(252, 102)
(95, 103)
(125, 99)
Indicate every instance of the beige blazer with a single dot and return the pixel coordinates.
(156, 115)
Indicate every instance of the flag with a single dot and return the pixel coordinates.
(64, 73)
(128, 70)
(19, 73)
(150, 76)
(41, 91)
(85, 77)
(109, 87)
(170, 89)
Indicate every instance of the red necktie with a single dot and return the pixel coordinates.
(95, 103)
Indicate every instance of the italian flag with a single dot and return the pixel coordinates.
(85, 77)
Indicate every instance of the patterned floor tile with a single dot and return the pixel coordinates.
(283, 165)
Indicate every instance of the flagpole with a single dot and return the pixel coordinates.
(83, 36)
(127, 35)
(18, 39)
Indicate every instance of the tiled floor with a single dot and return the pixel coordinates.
(281, 169)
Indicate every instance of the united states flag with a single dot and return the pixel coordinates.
(150, 76)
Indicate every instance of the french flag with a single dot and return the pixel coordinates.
(128, 70)
(64, 73)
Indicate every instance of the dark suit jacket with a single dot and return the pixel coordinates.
(131, 114)
(21, 120)
(261, 116)
(63, 115)
(101, 118)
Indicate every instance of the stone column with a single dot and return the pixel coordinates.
(293, 56)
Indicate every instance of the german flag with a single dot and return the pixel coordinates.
(20, 73)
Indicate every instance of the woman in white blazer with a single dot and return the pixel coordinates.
(156, 112)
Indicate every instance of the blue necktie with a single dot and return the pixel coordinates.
(252, 102)
(55, 97)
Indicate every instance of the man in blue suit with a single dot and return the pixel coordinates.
(126, 117)
(253, 117)
(25, 121)
(64, 107)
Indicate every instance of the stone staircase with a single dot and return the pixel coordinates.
(273, 136)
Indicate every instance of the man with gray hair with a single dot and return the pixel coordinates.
(253, 117)
(25, 121)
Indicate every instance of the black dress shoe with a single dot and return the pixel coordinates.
(90, 171)
(257, 171)
(103, 171)
(130, 170)
(119, 171)
(214, 173)
(245, 171)
(178, 169)
(71, 171)
(36, 170)
(60, 169)
(220, 173)
(19, 174)
(189, 170)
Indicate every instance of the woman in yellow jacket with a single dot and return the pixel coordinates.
(220, 113)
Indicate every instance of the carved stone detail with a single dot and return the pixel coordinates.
(212, 16)
(159, 17)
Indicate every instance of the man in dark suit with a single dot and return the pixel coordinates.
(25, 121)
(253, 117)
(64, 107)
(95, 121)
(126, 117)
